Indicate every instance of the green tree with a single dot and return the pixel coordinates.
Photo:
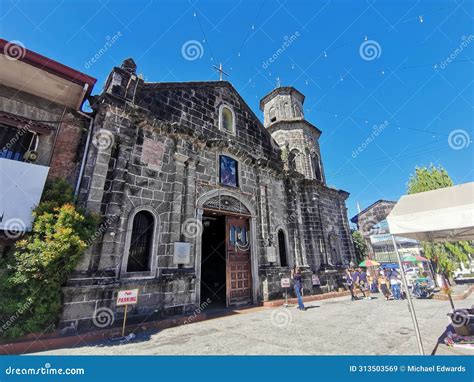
(41, 262)
(449, 255)
(360, 246)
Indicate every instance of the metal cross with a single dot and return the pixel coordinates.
(220, 70)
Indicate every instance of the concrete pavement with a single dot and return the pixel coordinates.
(336, 326)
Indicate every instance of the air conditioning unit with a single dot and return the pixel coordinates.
(31, 156)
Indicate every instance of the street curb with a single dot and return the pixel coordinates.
(55, 341)
(456, 297)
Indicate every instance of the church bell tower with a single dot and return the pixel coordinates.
(298, 139)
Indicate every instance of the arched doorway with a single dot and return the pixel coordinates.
(225, 268)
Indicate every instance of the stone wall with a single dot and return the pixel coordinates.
(373, 215)
(161, 154)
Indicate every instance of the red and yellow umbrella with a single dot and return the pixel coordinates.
(369, 263)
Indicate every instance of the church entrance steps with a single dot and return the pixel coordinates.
(38, 342)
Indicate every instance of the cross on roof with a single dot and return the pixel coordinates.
(220, 70)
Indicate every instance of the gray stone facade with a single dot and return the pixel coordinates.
(157, 148)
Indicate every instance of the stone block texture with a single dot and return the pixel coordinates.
(163, 157)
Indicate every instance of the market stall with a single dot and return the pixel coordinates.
(445, 214)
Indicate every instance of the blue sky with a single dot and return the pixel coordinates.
(416, 73)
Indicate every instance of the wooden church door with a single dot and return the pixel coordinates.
(239, 271)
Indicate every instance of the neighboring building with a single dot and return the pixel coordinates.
(200, 203)
(42, 133)
(372, 224)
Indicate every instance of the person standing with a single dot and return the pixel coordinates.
(356, 282)
(296, 274)
(394, 285)
(364, 284)
(350, 283)
(383, 287)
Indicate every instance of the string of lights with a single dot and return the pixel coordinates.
(253, 27)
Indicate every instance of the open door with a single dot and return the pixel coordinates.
(239, 270)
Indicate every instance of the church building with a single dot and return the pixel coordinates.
(201, 202)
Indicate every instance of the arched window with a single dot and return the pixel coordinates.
(287, 109)
(226, 119)
(141, 244)
(282, 248)
(334, 248)
(316, 166)
(272, 114)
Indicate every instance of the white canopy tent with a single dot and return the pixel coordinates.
(445, 214)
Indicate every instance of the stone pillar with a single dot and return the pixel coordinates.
(300, 229)
(95, 195)
(99, 174)
(176, 204)
(263, 213)
(118, 209)
(189, 197)
(347, 231)
(190, 191)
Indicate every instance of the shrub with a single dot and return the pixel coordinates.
(42, 261)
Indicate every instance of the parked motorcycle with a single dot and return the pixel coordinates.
(422, 289)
